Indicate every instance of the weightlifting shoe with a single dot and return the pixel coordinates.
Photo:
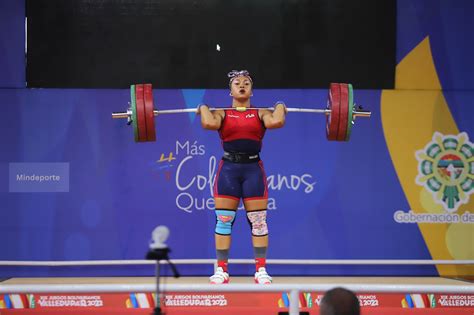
(219, 277)
(262, 277)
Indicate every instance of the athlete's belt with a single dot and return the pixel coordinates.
(240, 157)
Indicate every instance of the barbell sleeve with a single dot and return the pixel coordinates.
(362, 113)
(120, 115)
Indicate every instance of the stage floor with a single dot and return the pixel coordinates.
(247, 280)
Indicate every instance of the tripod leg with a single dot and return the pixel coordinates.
(157, 310)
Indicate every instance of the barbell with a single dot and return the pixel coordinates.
(340, 112)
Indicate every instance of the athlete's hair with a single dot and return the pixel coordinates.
(236, 73)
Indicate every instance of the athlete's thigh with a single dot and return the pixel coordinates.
(226, 203)
(255, 204)
(254, 186)
(228, 184)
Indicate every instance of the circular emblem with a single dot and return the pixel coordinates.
(446, 169)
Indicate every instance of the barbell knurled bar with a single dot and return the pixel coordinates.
(128, 113)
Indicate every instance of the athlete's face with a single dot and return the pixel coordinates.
(241, 88)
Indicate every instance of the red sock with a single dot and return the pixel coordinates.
(222, 264)
(260, 262)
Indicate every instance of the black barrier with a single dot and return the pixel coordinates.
(193, 44)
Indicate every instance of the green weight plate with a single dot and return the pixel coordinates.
(351, 108)
(134, 112)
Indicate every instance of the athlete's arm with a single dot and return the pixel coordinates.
(210, 120)
(275, 119)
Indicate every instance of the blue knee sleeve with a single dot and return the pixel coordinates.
(225, 219)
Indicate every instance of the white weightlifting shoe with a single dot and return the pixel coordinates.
(262, 277)
(219, 277)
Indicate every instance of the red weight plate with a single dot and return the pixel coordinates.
(343, 112)
(332, 120)
(149, 115)
(140, 102)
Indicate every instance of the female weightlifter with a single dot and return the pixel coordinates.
(240, 173)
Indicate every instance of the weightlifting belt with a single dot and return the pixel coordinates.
(240, 157)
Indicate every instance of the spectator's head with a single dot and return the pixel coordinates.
(339, 301)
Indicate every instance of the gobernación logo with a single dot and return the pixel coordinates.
(446, 169)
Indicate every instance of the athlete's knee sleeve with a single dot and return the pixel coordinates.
(225, 220)
(258, 222)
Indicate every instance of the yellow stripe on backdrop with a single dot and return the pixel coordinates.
(411, 115)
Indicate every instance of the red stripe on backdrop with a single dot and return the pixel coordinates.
(233, 303)
(234, 311)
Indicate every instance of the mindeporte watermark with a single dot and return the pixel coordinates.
(39, 177)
